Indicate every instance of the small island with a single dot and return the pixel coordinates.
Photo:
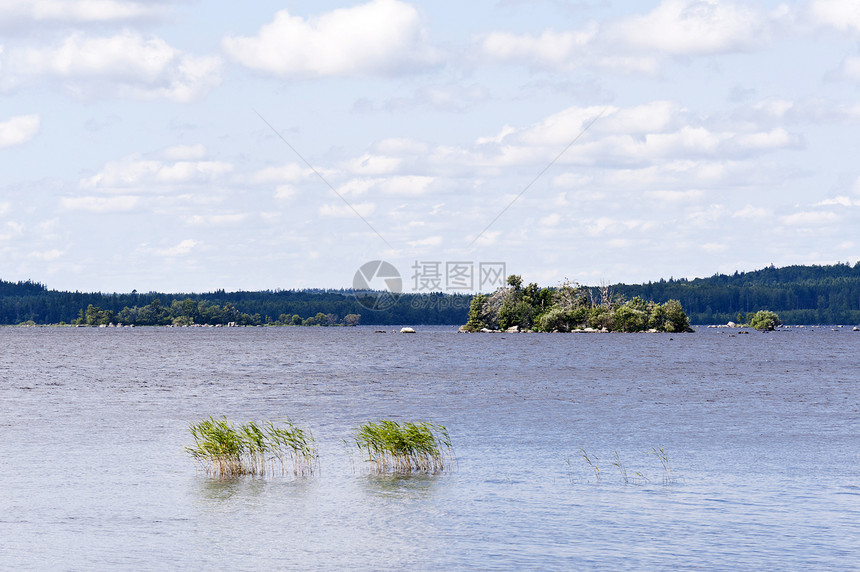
(570, 307)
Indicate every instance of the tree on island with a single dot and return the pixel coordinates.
(570, 307)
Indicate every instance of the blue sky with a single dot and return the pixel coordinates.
(136, 149)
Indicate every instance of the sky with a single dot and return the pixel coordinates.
(187, 146)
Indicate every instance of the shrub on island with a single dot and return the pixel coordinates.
(570, 307)
(764, 320)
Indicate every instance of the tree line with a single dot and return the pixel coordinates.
(828, 294)
(189, 312)
(28, 301)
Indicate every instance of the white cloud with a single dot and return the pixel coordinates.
(183, 248)
(688, 138)
(77, 11)
(289, 173)
(648, 117)
(399, 146)
(134, 66)
(693, 27)
(551, 48)
(550, 220)
(498, 138)
(620, 243)
(560, 128)
(751, 212)
(216, 220)
(657, 131)
(675, 196)
(775, 107)
(842, 201)
(149, 175)
(634, 44)
(430, 241)
(18, 130)
(13, 229)
(774, 139)
(47, 226)
(851, 68)
(451, 97)
(185, 171)
(382, 36)
(488, 238)
(706, 216)
(369, 164)
(817, 110)
(126, 56)
(714, 247)
(100, 204)
(603, 226)
(627, 64)
(357, 187)
(4, 208)
(810, 218)
(284, 192)
(344, 211)
(843, 15)
(47, 255)
(408, 185)
(184, 152)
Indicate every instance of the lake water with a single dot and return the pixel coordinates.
(762, 433)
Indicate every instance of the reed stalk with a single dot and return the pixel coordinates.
(592, 464)
(620, 465)
(664, 461)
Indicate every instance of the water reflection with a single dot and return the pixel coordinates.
(227, 489)
(410, 486)
(216, 489)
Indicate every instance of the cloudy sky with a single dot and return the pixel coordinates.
(187, 145)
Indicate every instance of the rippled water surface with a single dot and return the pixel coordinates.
(762, 433)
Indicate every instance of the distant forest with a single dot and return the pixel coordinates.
(799, 294)
(22, 302)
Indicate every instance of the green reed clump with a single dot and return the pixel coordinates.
(251, 449)
(405, 447)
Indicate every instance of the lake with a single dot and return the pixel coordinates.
(761, 433)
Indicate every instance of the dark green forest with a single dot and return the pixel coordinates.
(798, 294)
(23, 302)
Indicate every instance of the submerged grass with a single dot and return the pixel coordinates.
(252, 449)
(405, 447)
(628, 478)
